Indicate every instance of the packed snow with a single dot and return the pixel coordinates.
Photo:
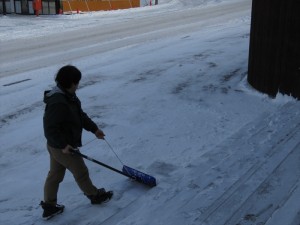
(177, 107)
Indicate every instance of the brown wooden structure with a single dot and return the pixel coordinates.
(274, 55)
(98, 5)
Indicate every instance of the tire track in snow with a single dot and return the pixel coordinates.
(271, 193)
(287, 212)
(264, 167)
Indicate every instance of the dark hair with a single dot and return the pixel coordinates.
(68, 75)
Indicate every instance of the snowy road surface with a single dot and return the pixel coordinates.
(64, 46)
(167, 84)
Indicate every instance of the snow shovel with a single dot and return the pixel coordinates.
(126, 171)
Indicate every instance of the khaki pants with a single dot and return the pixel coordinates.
(59, 162)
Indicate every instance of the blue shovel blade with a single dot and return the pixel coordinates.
(139, 176)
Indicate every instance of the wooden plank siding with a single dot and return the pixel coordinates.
(98, 5)
(274, 54)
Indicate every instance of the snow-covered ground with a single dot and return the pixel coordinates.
(173, 102)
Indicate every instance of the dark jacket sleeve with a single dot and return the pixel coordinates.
(88, 123)
(55, 115)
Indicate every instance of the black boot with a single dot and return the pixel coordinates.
(101, 197)
(51, 210)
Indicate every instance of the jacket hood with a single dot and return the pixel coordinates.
(49, 94)
(58, 94)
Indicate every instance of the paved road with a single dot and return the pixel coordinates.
(23, 55)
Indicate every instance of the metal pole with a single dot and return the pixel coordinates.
(87, 6)
(69, 6)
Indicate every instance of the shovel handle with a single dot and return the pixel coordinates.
(127, 171)
(77, 152)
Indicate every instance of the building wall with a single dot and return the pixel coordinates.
(54, 6)
(274, 55)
